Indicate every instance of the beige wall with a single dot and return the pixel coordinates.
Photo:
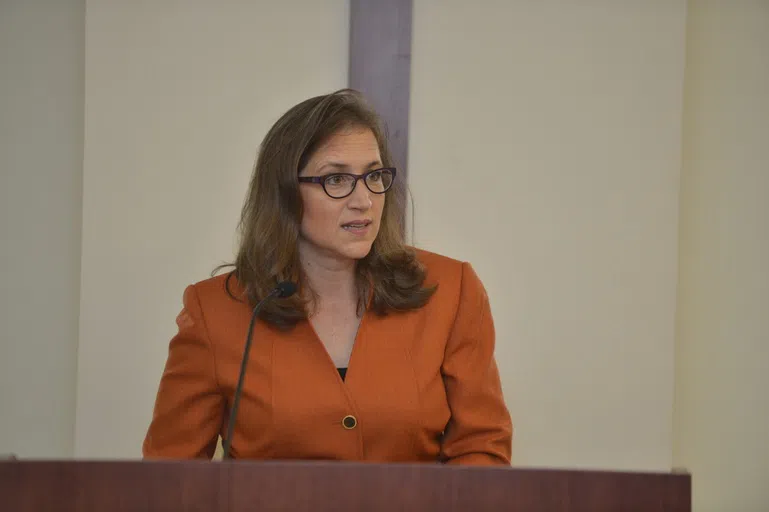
(41, 165)
(545, 149)
(177, 100)
(722, 358)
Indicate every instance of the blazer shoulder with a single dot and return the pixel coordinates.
(442, 270)
(218, 289)
(454, 276)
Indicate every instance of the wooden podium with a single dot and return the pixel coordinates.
(89, 486)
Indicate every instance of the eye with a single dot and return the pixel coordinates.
(335, 180)
(339, 181)
(375, 176)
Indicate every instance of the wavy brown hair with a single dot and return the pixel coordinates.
(390, 275)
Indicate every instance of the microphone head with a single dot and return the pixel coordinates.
(286, 289)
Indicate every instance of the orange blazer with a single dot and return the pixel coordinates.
(422, 386)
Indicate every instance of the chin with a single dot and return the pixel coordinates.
(357, 250)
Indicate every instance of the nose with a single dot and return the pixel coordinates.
(360, 199)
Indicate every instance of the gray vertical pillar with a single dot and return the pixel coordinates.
(380, 65)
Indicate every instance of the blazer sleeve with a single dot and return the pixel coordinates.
(480, 429)
(189, 407)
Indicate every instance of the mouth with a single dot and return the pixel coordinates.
(357, 226)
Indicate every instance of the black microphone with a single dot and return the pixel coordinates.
(284, 289)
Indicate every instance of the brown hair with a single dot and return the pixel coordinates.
(272, 212)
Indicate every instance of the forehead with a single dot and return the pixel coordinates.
(352, 147)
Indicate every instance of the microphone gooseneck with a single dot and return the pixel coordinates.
(283, 290)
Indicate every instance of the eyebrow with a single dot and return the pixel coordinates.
(344, 167)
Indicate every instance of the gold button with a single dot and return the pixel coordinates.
(349, 422)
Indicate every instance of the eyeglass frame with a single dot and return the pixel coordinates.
(321, 180)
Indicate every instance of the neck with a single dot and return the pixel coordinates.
(332, 279)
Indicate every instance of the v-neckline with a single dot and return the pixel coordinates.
(353, 351)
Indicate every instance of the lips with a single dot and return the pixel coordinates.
(357, 224)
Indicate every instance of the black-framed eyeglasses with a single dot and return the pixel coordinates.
(342, 184)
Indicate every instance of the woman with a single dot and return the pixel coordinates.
(385, 353)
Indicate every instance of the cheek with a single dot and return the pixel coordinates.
(320, 215)
(378, 205)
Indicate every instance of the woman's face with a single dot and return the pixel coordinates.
(341, 229)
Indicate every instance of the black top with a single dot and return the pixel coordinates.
(342, 372)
